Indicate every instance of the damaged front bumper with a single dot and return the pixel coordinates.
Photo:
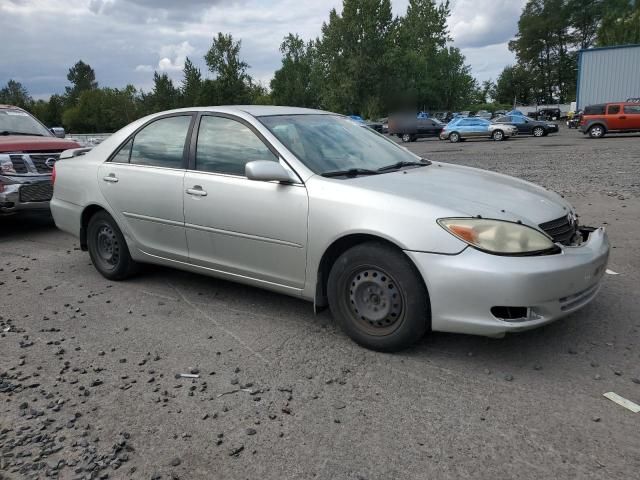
(25, 193)
(472, 292)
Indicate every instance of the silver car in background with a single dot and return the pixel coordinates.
(310, 204)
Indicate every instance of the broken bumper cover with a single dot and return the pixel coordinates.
(464, 288)
(19, 194)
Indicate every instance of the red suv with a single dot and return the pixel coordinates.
(620, 117)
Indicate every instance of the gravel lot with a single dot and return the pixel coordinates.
(88, 385)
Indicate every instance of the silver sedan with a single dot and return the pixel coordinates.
(310, 204)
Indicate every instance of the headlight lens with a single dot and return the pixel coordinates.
(497, 236)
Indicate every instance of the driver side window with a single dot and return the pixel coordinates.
(225, 146)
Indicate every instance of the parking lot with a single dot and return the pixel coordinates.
(90, 384)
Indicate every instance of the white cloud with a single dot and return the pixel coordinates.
(144, 68)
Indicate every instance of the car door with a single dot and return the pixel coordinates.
(616, 119)
(521, 124)
(632, 114)
(245, 228)
(143, 184)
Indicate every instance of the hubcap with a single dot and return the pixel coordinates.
(405, 138)
(597, 131)
(497, 135)
(375, 301)
(108, 248)
(538, 132)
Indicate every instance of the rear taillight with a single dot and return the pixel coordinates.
(53, 175)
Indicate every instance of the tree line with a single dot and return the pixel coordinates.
(550, 35)
(365, 62)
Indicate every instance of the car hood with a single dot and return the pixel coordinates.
(25, 143)
(466, 191)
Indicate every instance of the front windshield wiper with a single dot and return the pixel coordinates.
(7, 132)
(350, 172)
(397, 165)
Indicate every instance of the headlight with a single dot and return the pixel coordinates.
(6, 165)
(497, 236)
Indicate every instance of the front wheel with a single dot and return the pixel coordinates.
(406, 138)
(538, 132)
(378, 298)
(108, 249)
(597, 131)
(454, 137)
(498, 135)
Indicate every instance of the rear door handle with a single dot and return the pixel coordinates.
(197, 191)
(110, 178)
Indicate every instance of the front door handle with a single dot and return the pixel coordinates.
(622, 117)
(197, 191)
(110, 178)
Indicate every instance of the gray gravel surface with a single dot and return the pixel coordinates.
(90, 384)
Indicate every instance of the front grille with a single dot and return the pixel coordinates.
(18, 164)
(561, 230)
(39, 160)
(36, 192)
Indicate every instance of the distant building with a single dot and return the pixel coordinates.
(608, 74)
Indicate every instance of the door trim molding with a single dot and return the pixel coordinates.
(146, 218)
(231, 233)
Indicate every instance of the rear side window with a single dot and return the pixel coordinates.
(225, 146)
(503, 120)
(594, 110)
(632, 109)
(613, 109)
(161, 143)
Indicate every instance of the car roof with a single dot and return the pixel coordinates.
(12, 107)
(255, 110)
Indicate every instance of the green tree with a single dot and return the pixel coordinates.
(352, 56)
(232, 81)
(14, 93)
(102, 110)
(82, 78)
(164, 95)
(620, 23)
(293, 83)
(49, 112)
(514, 84)
(584, 17)
(191, 87)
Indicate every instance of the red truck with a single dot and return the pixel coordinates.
(28, 151)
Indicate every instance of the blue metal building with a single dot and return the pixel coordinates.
(608, 74)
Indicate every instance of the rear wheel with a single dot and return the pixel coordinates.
(538, 132)
(597, 131)
(108, 249)
(498, 135)
(406, 138)
(454, 137)
(378, 298)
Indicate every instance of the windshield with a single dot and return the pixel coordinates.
(18, 122)
(328, 143)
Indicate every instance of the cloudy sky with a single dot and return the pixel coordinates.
(126, 40)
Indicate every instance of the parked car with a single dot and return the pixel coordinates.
(461, 128)
(484, 114)
(377, 126)
(499, 113)
(620, 117)
(528, 126)
(309, 204)
(28, 151)
(547, 114)
(409, 127)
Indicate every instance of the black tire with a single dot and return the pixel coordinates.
(108, 249)
(414, 138)
(498, 135)
(597, 131)
(454, 137)
(538, 132)
(406, 138)
(377, 297)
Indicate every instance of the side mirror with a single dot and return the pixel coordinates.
(267, 171)
(58, 132)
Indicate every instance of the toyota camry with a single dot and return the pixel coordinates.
(310, 204)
